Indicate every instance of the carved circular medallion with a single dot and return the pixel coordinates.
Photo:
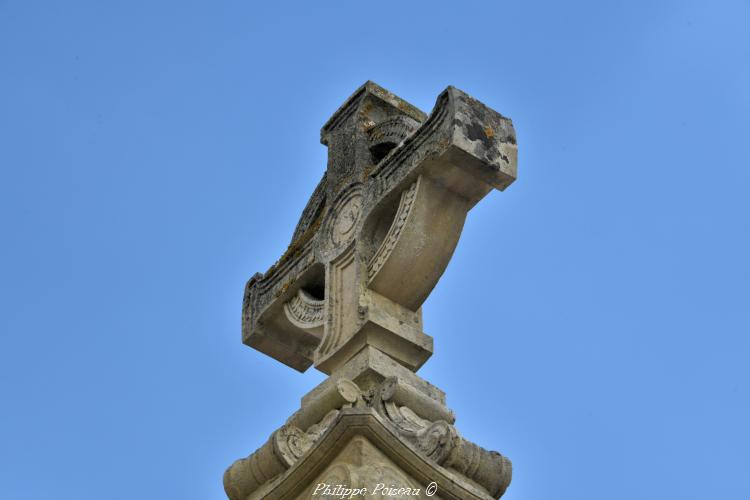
(346, 216)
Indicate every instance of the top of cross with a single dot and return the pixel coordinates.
(379, 229)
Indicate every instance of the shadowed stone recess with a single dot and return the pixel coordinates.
(346, 297)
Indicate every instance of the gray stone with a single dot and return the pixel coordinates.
(346, 297)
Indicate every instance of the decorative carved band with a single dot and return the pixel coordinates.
(392, 131)
(415, 148)
(262, 289)
(339, 275)
(304, 311)
(399, 221)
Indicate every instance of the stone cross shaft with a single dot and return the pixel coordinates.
(379, 229)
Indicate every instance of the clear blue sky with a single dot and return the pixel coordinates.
(594, 324)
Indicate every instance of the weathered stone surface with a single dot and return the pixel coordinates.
(399, 419)
(346, 297)
(361, 470)
(379, 230)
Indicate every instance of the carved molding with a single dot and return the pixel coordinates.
(422, 143)
(391, 238)
(262, 289)
(304, 311)
(388, 134)
(339, 276)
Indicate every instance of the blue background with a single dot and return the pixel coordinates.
(594, 322)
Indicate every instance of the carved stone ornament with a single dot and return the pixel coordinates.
(346, 215)
(380, 228)
(346, 297)
(482, 473)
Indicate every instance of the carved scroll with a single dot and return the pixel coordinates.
(289, 443)
(409, 410)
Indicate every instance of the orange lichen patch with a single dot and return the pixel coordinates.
(411, 110)
(366, 172)
(489, 132)
(283, 289)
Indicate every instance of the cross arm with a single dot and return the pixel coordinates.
(457, 156)
(462, 142)
(275, 317)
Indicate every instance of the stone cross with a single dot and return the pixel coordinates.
(346, 296)
(379, 229)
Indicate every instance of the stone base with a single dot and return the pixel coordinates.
(344, 441)
(361, 454)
